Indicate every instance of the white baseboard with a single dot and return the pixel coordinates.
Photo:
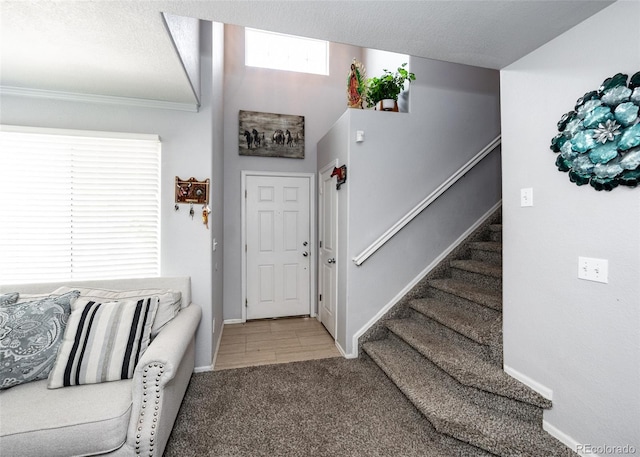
(564, 438)
(418, 278)
(215, 351)
(344, 353)
(203, 369)
(532, 383)
(233, 321)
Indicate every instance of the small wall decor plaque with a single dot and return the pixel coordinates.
(599, 141)
(270, 135)
(192, 191)
(341, 175)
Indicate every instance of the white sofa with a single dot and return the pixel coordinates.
(132, 417)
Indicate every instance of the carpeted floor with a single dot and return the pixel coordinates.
(331, 407)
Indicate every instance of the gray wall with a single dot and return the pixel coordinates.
(320, 99)
(578, 339)
(187, 150)
(405, 156)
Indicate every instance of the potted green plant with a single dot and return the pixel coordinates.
(387, 87)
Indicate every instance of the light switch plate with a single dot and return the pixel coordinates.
(593, 269)
(526, 197)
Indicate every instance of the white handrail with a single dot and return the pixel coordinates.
(386, 236)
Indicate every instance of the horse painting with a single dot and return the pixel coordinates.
(271, 135)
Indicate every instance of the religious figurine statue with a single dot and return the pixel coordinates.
(355, 85)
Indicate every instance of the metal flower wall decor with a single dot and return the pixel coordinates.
(599, 141)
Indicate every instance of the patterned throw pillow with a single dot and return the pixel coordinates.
(30, 334)
(103, 341)
(8, 299)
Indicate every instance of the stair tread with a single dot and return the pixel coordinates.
(463, 366)
(477, 266)
(477, 294)
(475, 326)
(453, 415)
(494, 246)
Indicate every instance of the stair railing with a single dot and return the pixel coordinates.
(395, 228)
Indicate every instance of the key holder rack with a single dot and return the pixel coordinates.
(192, 191)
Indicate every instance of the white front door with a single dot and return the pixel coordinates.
(278, 247)
(328, 238)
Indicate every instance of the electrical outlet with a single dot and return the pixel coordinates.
(526, 197)
(593, 269)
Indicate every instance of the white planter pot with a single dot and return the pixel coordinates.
(387, 105)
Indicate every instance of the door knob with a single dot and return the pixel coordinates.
(331, 261)
(305, 254)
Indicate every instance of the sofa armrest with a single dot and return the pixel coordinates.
(160, 381)
(169, 346)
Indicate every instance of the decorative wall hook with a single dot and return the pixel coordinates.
(341, 173)
(192, 191)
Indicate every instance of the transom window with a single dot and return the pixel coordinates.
(286, 52)
(78, 205)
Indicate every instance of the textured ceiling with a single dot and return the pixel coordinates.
(121, 48)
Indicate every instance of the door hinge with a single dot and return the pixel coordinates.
(245, 248)
(246, 303)
(245, 193)
(320, 243)
(320, 297)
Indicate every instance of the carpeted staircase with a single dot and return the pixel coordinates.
(442, 347)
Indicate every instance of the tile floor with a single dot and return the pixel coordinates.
(269, 341)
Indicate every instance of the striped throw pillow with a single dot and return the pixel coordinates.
(103, 341)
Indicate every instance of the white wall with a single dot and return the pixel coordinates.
(404, 157)
(186, 151)
(320, 99)
(579, 339)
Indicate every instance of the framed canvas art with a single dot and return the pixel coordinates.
(271, 135)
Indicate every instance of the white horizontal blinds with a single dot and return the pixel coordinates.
(93, 210)
(35, 204)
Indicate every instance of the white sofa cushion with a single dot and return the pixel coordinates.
(78, 420)
(103, 341)
(168, 307)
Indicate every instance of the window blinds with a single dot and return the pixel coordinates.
(78, 205)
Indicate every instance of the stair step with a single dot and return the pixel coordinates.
(452, 415)
(493, 246)
(476, 266)
(470, 292)
(474, 325)
(466, 368)
(487, 251)
(495, 232)
(479, 273)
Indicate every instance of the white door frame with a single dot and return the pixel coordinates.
(313, 305)
(323, 170)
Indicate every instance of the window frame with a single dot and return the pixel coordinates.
(268, 38)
